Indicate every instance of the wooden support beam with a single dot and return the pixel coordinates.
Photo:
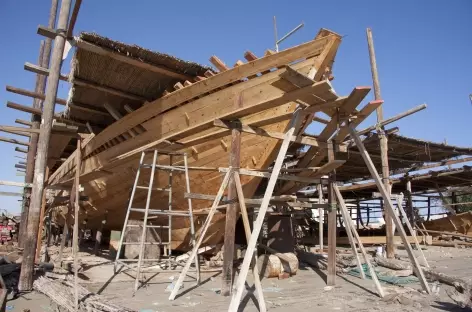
(276, 135)
(332, 228)
(16, 130)
(27, 265)
(109, 90)
(12, 183)
(383, 144)
(231, 216)
(117, 116)
(21, 150)
(320, 120)
(43, 71)
(11, 194)
(24, 108)
(251, 246)
(219, 64)
(33, 94)
(19, 166)
(7, 140)
(23, 122)
(390, 209)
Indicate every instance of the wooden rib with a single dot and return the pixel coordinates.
(238, 63)
(33, 94)
(117, 116)
(269, 52)
(178, 86)
(199, 78)
(306, 50)
(128, 60)
(219, 64)
(187, 83)
(249, 56)
(209, 74)
(140, 129)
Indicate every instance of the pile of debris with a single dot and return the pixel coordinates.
(62, 292)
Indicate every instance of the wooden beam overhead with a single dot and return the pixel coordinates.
(21, 150)
(3, 139)
(33, 94)
(23, 122)
(24, 108)
(16, 130)
(43, 71)
(88, 109)
(91, 85)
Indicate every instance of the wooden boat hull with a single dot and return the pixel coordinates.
(183, 122)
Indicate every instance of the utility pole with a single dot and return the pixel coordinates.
(43, 61)
(383, 145)
(29, 251)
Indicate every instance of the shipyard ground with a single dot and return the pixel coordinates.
(302, 292)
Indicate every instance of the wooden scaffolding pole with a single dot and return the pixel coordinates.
(75, 243)
(332, 228)
(44, 56)
(231, 215)
(27, 266)
(383, 144)
(251, 246)
(389, 206)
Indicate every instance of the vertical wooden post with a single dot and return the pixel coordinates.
(76, 223)
(383, 144)
(321, 216)
(358, 213)
(429, 208)
(41, 222)
(411, 213)
(332, 212)
(43, 61)
(29, 245)
(231, 215)
(454, 201)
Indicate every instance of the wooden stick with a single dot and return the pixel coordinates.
(76, 224)
(203, 231)
(320, 217)
(3, 139)
(389, 205)
(27, 266)
(410, 228)
(349, 230)
(247, 230)
(332, 224)
(236, 299)
(383, 144)
(231, 217)
(345, 213)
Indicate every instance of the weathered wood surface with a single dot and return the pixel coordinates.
(184, 121)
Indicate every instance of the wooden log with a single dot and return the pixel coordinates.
(383, 145)
(27, 266)
(24, 108)
(332, 212)
(23, 122)
(21, 150)
(33, 94)
(3, 139)
(393, 264)
(231, 217)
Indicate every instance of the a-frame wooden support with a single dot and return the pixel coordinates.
(389, 206)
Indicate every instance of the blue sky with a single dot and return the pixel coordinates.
(423, 49)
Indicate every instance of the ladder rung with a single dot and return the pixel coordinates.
(154, 188)
(161, 212)
(148, 226)
(143, 260)
(146, 243)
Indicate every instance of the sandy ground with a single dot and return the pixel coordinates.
(305, 291)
